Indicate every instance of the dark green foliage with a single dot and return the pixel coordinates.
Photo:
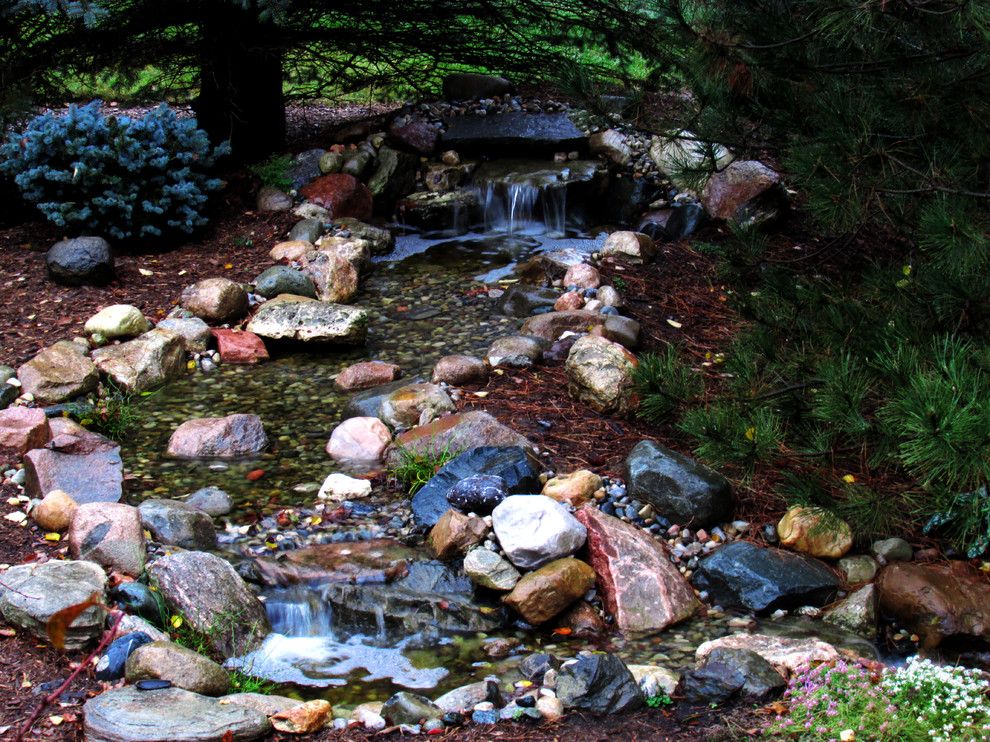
(114, 415)
(664, 383)
(124, 178)
(274, 171)
(415, 468)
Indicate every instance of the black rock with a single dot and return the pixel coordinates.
(453, 719)
(305, 168)
(478, 494)
(744, 575)
(81, 261)
(139, 600)
(514, 133)
(625, 199)
(534, 666)
(520, 300)
(599, 683)
(682, 221)
(282, 279)
(473, 86)
(511, 463)
(732, 673)
(111, 664)
(154, 684)
(526, 702)
(677, 487)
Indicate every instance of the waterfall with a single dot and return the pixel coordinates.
(519, 197)
(299, 611)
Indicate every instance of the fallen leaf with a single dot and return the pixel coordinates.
(176, 621)
(563, 631)
(674, 323)
(55, 720)
(849, 479)
(750, 434)
(7, 632)
(59, 623)
(255, 475)
(145, 272)
(53, 536)
(17, 516)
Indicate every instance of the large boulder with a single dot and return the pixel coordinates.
(682, 157)
(85, 466)
(472, 86)
(80, 261)
(30, 594)
(551, 325)
(416, 404)
(213, 598)
(759, 579)
(182, 667)
(118, 321)
(458, 433)
(600, 374)
(810, 531)
(937, 601)
(511, 463)
(599, 683)
(746, 192)
(610, 144)
(542, 594)
(169, 715)
(177, 523)
(677, 487)
(230, 437)
(144, 363)
(288, 318)
(354, 250)
(514, 133)
(787, 655)
(335, 278)
(283, 279)
(341, 194)
(732, 673)
(359, 441)
(515, 351)
(21, 430)
(534, 530)
(215, 300)
(394, 177)
(365, 375)
(110, 534)
(641, 588)
(635, 247)
(429, 211)
(58, 373)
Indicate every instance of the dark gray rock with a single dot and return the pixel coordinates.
(599, 683)
(514, 133)
(472, 86)
(307, 230)
(511, 463)
(306, 167)
(175, 522)
(168, 715)
(394, 178)
(742, 574)
(478, 494)
(521, 300)
(211, 500)
(139, 600)
(112, 664)
(282, 279)
(80, 261)
(369, 402)
(625, 199)
(535, 666)
(679, 488)
(409, 708)
(732, 673)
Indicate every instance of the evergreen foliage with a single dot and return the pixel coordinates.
(114, 175)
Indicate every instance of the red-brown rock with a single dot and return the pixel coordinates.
(581, 622)
(366, 374)
(936, 601)
(745, 191)
(110, 534)
(583, 276)
(21, 429)
(343, 195)
(454, 533)
(228, 437)
(335, 278)
(240, 347)
(458, 370)
(551, 325)
(415, 134)
(640, 587)
(569, 301)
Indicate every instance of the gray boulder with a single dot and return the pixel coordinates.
(515, 351)
(742, 574)
(144, 363)
(677, 487)
(310, 321)
(86, 466)
(179, 524)
(282, 279)
(213, 598)
(599, 683)
(515, 133)
(30, 594)
(534, 530)
(193, 333)
(80, 261)
(732, 673)
(211, 500)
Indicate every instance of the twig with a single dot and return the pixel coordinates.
(53, 696)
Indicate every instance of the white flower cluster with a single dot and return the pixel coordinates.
(950, 701)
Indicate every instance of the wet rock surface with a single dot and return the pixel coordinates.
(599, 683)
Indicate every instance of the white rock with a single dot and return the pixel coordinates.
(534, 530)
(118, 320)
(339, 487)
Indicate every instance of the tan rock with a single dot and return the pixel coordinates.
(355, 251)
(459, 370)
(59, 372)
(55, 511)
(814, 533)
(215, 300)
(293, 250)
(575, 488)
(455, 533)
(336, 279)
(305, 718)
(416, 404)
(182, 667)
(634, 247)
(600, 374)
(541, 595)
(118, 320)
(551, 325)
(550, 708)
(143, 363)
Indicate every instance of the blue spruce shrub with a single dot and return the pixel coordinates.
(115, 176)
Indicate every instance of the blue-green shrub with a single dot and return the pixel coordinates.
(114, 176)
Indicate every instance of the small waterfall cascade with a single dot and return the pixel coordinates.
(519, 197)
(299, 611)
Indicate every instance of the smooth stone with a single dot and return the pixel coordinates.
(193, 333)
(55, 511)
(893, 550)
(542, 594)
(416, 404)
(283, 279)
(233, 436)
(182, 667)
(859, 568)
(139, 599)
(409, 708)
(112, 663)
(359, 440)
(808, 531)
(240, 347)
(21, 430)
(600, 374)
(339, 487)
(302, 718)
(366, 375)
(454, 534)
(468, 696)
(87, 468)
(534, 530)
(80, 261)
(515, 351)
(211, 500)
(460, 370)
(522, 300)
(478, 494)
(489, 570)
(117, 321)
(215, 300)
(574, 489)
(745, 192)
(177, 523)
(459, 433)
(551, 325)
(634, 247)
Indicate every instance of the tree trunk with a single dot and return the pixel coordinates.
(240, 97)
